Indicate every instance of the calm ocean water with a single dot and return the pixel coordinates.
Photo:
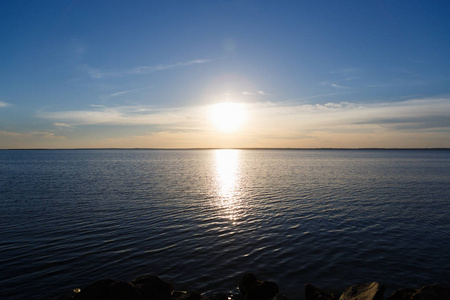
(201, 218)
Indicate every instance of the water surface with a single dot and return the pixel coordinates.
(201, 218)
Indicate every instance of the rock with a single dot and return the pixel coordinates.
(122, 291)
(192, 295)
(402, 294)
(427, 292)
(248, 283)
(313, 293)
(432, 292)
(264, 291)
(178, 295)
(368, 291)
(221, 296)
(254, 289)
(151, 287)
(280, 297)
(97, 291)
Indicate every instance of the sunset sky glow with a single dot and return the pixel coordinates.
(300, 74)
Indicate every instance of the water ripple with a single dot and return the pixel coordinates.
(202, 218)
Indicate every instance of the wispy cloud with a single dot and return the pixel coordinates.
(343, 75)
(410, 111)
(123, 93)
(4, 104)
(29, 135)
(348, 71)
(412, 114)
(327, 107)
(30, 139)
(140, 70)
(335, 85)
(57, 124)
(149, 69)
(426, 122)
(324, 95)
(118, 115)
(246, 93)
(409, 115)
(411, 123)
(398, 82)
(340, 86)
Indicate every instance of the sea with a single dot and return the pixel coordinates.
(201, 219)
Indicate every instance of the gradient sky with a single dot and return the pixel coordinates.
(83, 74)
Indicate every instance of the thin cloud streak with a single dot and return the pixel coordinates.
(335, 85)
(4, 104)
(430, 122)
(420, 123)
(319, 96)
(121, 115)
(266, 114)
(31, 134)
(340, 86)
(259, 92)
(30, 139)
(149, 69)
(57, 124)
(100, 74)
(123, 93)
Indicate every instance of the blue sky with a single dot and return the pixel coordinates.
(77, 74)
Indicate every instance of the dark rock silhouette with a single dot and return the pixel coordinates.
(368, 291)
(220, 296)
(145, 287)
(150, 287)
(313, 293)
(402, 294)
(248, 283)
(97, 291)
(427, 292)
(254, 289)
(192, 295)
(122, 291)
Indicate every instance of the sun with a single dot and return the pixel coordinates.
(227, 116)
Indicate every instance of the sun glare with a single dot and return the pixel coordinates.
(227, 116)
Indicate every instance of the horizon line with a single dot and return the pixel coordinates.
(239, 148)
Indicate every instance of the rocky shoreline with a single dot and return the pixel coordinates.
(151, 287)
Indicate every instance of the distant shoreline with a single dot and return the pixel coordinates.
(282, 149)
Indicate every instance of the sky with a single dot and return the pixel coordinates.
(297, 74)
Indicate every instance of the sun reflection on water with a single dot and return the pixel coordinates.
(227, 182)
